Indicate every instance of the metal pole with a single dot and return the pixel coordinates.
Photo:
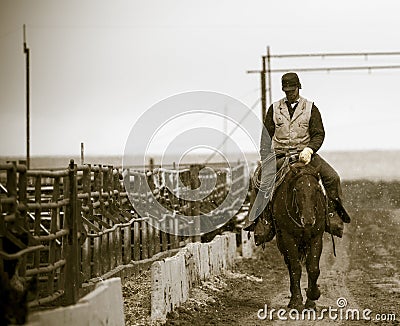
(328, 69)
(26, 51)
(263, 90)
(269, 75)
(82, 154)
(342, 54)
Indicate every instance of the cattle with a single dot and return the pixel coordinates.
(14, 289)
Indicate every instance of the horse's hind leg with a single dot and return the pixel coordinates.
(312, 265)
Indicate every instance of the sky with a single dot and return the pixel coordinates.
(97, 66)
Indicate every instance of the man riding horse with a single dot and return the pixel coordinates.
(294, 124)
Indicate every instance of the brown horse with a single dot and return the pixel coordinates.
(299, 209)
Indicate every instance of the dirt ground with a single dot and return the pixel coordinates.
(365, 273)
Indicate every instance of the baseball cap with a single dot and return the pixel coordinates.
(290, 81)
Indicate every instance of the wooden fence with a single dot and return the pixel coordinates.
(82, 225)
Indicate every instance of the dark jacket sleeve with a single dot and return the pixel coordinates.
(316, 129)
(267, 133)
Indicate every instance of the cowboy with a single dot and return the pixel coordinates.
(294, 123)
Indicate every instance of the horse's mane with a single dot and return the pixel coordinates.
(303, 168)
(299, 169)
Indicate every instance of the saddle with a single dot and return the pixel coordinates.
(262, 226)
(268, 182)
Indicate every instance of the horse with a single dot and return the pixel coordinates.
(299, 208)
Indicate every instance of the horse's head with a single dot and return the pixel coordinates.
(306, 189)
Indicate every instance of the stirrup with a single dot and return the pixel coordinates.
(336, 205)
(334, 225)
(264, 231)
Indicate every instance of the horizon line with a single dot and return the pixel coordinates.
(197, 154)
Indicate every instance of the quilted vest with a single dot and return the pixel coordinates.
(291, 132)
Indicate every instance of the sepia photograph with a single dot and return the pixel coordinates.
(199, 162)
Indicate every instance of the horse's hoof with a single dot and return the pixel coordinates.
(296, 304)
(313, 294)
(310, 304)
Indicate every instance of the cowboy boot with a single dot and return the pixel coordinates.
(264, 230)
(334, 223)
(342, 211)
(263, 227)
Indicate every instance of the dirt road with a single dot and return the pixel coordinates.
(364, 275)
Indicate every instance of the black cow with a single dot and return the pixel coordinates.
(14, 290)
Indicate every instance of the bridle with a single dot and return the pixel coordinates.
(291, 186)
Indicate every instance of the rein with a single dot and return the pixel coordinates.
(294, 201)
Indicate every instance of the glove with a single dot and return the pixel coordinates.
(305, 155)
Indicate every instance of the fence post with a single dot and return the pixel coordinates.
(73, 260)
(136, 240)
(22, 195)
(88, 213)
(195, 205)
(53, 230)
(11, 186)
(97, 241)
(128, 230)
(164, 235)
(38, 212)
(107, 248)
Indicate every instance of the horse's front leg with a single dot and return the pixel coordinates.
(313, 271)
(293, 263)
